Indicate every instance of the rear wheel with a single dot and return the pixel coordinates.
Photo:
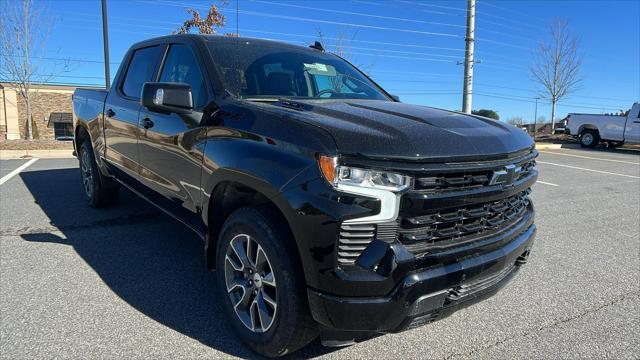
(589, 138)
(262, 285)
(99, 190)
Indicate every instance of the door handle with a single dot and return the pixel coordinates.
(636, 121)
(111, 113)
(147, 123)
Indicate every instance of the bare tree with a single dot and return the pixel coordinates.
(341, 46)
(24, 30)
(515, 120)
(557, 65)
(207, 25)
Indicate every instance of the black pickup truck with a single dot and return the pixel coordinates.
(326, 206)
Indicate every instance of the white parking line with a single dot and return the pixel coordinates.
(17, 171)
(585, 169)
(592, 158)
(546, 183)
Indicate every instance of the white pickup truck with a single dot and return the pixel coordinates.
(613, 129)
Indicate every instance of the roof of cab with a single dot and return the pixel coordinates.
(222, 39)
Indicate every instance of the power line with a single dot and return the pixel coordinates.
(62, 59)
(524, 99)
(376, 3)
(503, 33)
(298, 18)
(531, 91)
(353, 40)
(438, 12)
(501, 24)
(514, 66)
(521, 13)
(504, 44)
(302, 19)
(510, 20)
(433, 5)
(258, 31)
(56, 83)
(359, 14)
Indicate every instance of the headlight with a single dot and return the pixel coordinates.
(345, 175)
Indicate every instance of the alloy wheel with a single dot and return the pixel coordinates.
(587, 139)
(87, 173)
(251, 283)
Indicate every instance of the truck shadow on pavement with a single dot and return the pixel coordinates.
(149, 260)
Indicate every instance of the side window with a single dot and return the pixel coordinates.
(140, 70)
(181, 67)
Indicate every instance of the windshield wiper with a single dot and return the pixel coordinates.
(269, 100)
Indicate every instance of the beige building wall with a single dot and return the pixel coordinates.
(9, 115)
(45, 100)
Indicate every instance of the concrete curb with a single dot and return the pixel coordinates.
(43, 154)
(548, 146)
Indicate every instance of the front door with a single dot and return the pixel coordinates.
(170, 144)
(122, 110)
(632, 131)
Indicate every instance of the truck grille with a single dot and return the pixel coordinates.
(465, 180)
(418, 233)
(450, 204)
(354, 238)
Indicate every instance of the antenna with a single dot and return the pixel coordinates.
(318, 46)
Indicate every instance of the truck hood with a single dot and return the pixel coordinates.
(385, 129)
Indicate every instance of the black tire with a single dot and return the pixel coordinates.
(98, 190)
(589, 138)
(291, 326)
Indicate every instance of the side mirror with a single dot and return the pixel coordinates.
(395, 98)
(167, 97)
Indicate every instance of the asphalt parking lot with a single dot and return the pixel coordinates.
(130, 282)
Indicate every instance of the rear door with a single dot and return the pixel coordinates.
(122, 111)
(170, 146)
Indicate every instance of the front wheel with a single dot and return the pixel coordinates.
(589, 138)
(262, 285)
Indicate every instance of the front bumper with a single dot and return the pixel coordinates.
(426, 295)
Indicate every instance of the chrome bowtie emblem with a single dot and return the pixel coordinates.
(505, 176)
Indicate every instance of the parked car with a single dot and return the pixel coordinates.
(616, 130)
(327, 207)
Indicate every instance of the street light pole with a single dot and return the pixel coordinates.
(535, 119)
(105, 38)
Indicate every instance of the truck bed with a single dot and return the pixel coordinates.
(610, 127)
(88, 104)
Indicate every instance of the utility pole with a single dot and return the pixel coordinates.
(467, 89)
(535, 119)
(105, 40)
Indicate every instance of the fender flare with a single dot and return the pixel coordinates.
(261, 186)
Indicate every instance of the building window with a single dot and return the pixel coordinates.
(63, 131)
(62, 123)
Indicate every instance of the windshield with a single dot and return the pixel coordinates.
(262, 70)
